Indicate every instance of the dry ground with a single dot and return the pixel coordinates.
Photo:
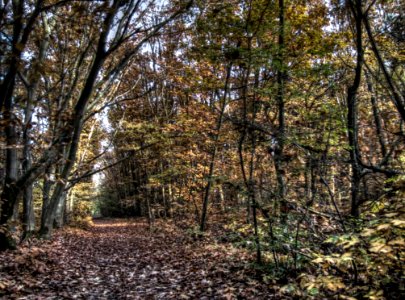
(124, 259)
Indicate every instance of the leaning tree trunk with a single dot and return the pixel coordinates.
(376, 116)
(76, 126)
(214, 151)
(397, 98)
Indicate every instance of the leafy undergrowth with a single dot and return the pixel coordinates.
(124, 259)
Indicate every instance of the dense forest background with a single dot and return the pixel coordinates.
(281, 120)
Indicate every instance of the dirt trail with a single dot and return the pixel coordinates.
(123, 259)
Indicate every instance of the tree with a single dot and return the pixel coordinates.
(116, 31)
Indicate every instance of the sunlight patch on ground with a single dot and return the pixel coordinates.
(113, 224)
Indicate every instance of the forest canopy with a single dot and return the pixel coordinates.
(280, 120)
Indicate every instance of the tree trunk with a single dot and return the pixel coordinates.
(28, 203)
(352, 114)
(68, 210)
(376, 115)
(20, 35)
(170, 199)
(279, 148)
(252, 196)
(221, 198)
(60, 211)
(28, 211)
(11, 191)
(76, 126)
(214, 151)
(397, 98)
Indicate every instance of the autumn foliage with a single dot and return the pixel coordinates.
(272, 130)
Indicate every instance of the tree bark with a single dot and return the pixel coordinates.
(352, 114)
(76, 124)
(28, 204)
(376, 115)
(397, 98)
(279, 148)
(12, 187)
(214, 151)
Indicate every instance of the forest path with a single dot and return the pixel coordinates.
(124, 259)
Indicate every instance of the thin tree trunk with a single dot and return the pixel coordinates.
(279, 149)
(149, 209)
(252, 196)
(170, 199)
(397, 98)
(68, 209)
(165, 210)
(221, 198)
(352, 114)
(28, 204)
(214, 151)
(376, 115)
